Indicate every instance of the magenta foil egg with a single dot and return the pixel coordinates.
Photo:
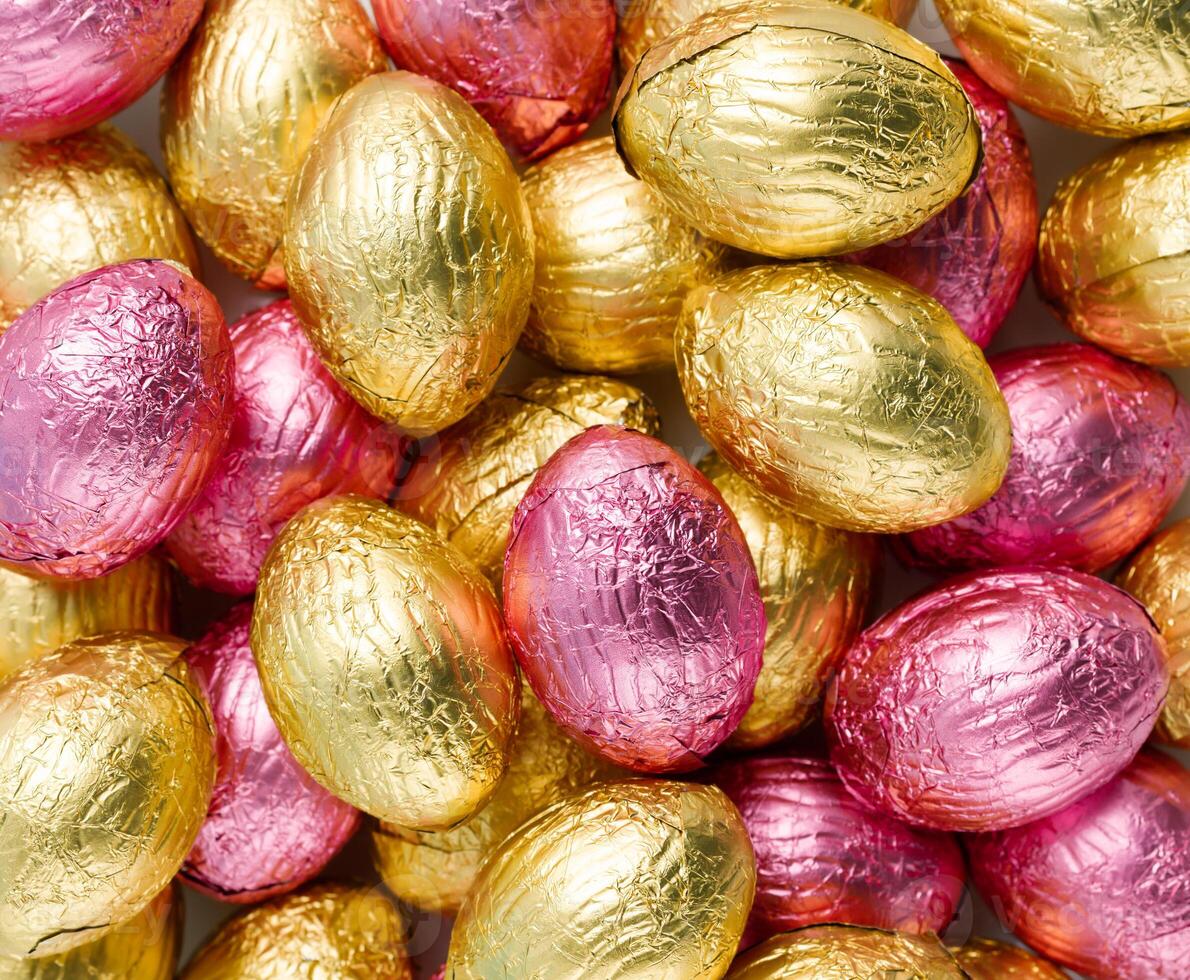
(270, 826)
(632, 602)
(1100, 454)
(296, 436)
(117, 392)
(1103, 886)
(996, 699)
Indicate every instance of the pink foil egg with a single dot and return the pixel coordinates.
(1103, 886)
(632, 602)
(1100, 454)
(296, 436)
(67, 64)
(270, 826)
(996, 699)
(115, 403)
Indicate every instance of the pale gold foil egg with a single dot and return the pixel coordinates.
(988, 959)
(841, 952)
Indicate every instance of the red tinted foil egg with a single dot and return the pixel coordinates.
(117, 392)
(1103, 886)
(537, 70)
(632, 601)
(296, 436)
(270, 826)
(1100, 454)
(996, 699)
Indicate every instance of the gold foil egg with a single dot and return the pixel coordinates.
(840, 952)
(240, 109)
(409, 250)
(988, 959)
(845, 393)
(106, 766)
(637, 880)
(797, 128)
(384, 663)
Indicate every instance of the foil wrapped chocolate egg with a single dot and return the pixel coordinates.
(1113, 69)
(117, 395)
(240, 109)
(467, 483)
(409, 251)
(794, 128)
(843, 952)
(106, 766)
(296, 436)
(1100, 454)
(632, 602)
(988, 959)
(384, 663)
(996, 698)
(1100, 887)
(635, 880)
(843, 392)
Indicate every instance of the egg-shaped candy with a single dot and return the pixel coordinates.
(996, 698)
(635, 880)
(988, 959)
(632, 602)
(843, 952)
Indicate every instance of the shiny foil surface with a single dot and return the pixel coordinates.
(1101, 886)
(384, 663)
(638, 880)
(409, 251)
(613, 264)
(270, 827)
(1114, 69)
(794, 128)
(536, 70)
(296, 436)
(632, 602)
(117, 395)
(1115, 251)
(843, 392)
(240, 109)
(106, 766)
(988, 959)
(74, 204)
(1100, 454)
(69, 64)
(995, 699)
(842, 952)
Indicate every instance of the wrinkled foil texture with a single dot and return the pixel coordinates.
(842, 952)
(988, 959)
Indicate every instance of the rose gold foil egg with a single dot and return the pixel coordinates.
(296, 436)
(632, 602)
(987, 959)
(117, 395)
(1101, 886)
(841, 952)
(996, 698)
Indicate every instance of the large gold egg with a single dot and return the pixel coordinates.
(988, 959)
(409, 250)
(840, 952)
(845, 393)
(106, 765)
(240, 109)
(797, 128)
(384, 663)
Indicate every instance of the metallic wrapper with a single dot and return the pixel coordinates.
(795, 128)
(638, 880)
(632, 602)
(1115, 251)
(987, 959)
(1100, 454)
(995, 699)
(841, 952)
(409, 251)
(69, 64)
(1119, 68)
(384, 663)
(106, 766)
(467, 483)
(537, 70)
(117, 395)
(296, 436)
(72, 205)
(270, 827)
(845, 393)
(1100, 887)
(240, 109)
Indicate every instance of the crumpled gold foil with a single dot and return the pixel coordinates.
(840, 952)
(797, 128)
(988, 959)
